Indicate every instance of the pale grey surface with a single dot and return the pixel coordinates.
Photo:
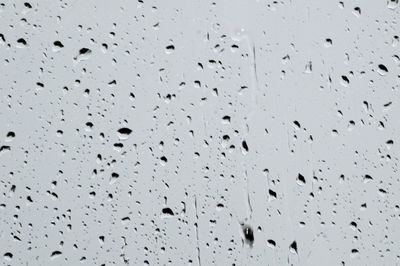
(169, 132)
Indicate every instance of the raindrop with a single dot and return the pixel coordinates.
(8, 256)
(167, 211)
(248, 234)
(382, 70)
(301, 180)
(57, 46)
(169, 49)
(21, 43)
(55, 254)
(345, 81)
(124, 132)
(392, 4)
(293, 247)
(245, 148)
(271, 243)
